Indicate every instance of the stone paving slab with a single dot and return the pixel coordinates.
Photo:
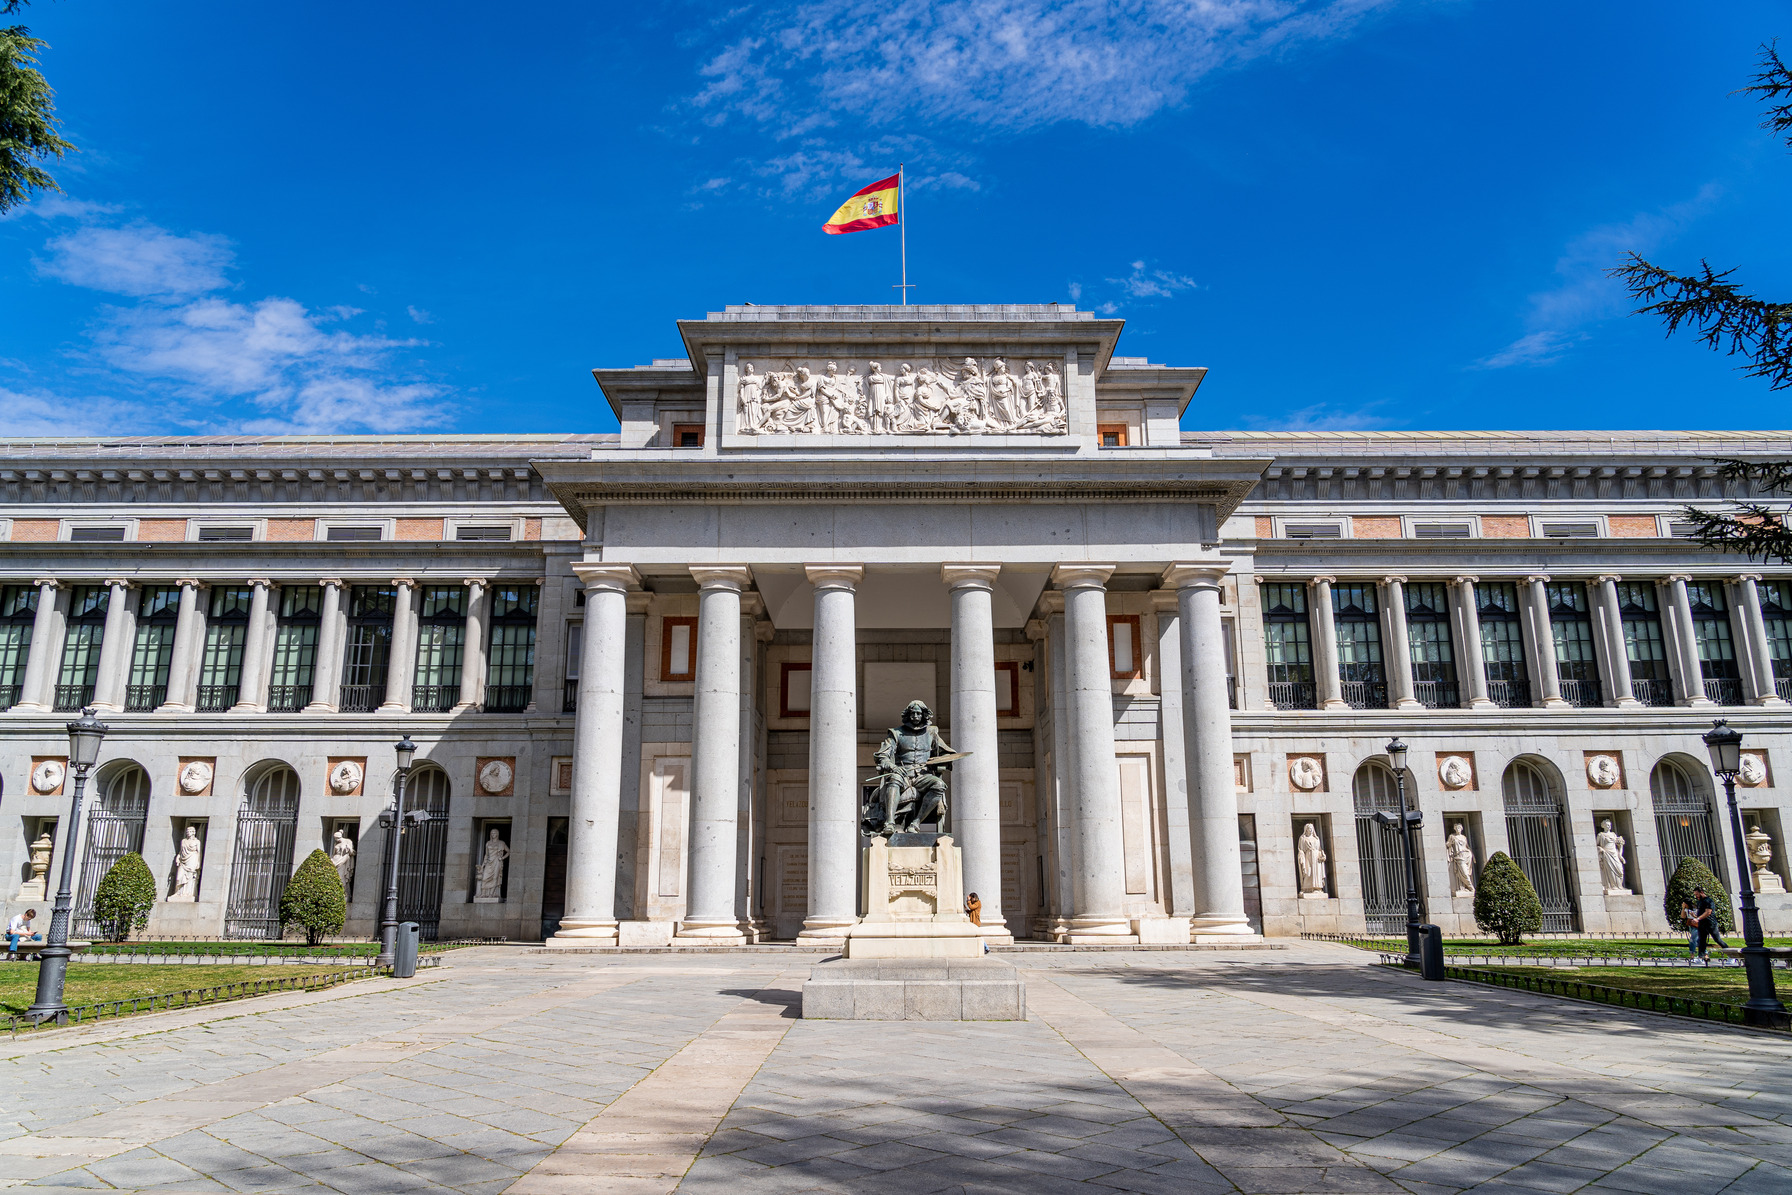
(1299, 1070)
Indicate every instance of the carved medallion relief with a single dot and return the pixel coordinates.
(925, 396)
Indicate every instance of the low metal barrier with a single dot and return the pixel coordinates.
(190, 997)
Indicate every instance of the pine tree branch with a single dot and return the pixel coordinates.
(1756, 531)
(1773, 82)
(1727, 319)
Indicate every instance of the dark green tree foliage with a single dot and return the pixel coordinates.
(1689, 875)
(313, 898)
(124, 898)
(28, 121)
(1505, 902)
(1731, 320)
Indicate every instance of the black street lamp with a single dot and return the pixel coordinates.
(392, 821)
(1763, 1006)
(84, 737)
(1408, 820)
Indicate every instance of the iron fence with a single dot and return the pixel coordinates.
(288, 699)
(360, 699)
(1509, 694)
(1437, 694)
(9, 696)
(434, 699)
(1725, 690)
(506, 699)
(1652, 692)
(1583, 693)
(139, 699)
(189, 997)
(1364, 694)
(1781, 685)
(70, 698)
(213, 699)
(569, 700)
(1293, 695)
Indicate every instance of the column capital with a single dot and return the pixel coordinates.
(763, 630)
(1203, 575)
(834, 576)
(469, 582)
(183, 582)
(1467, 580)
(1394, 579)
(50, 583)
(958, 576)
(405, 582)
(1755, 577)
(1608, 578)
(1682, 578)
(1537, 579)
(752, 605)
(637, 601)
(1037, 629)
(326, 582)
(121, 583)
(1167, 601)
(1051, 601)
(1082, 576)
(735, 577)
(616, 578)
(261, 583)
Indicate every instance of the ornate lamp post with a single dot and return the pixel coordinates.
(1407, 821)
(392, 821)
(1763, 1006)
(84, 737)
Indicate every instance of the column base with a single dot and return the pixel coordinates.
(1221, 927)
(574, 934)
(1161, 931)
(1770, 700)
(107, 707)
(464, 707)
(174, 707)
(825, 929)
(392, 707)
(1409, 703)
(718, 933)
(320, 707)
(1698, 703)
(248, 707)
(1335, 703)
(1556, 703)
(1627, 703)
(29, 707)
(1483, 703)
(996, 935)
(1100, 931)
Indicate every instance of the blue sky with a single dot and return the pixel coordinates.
(408, 217)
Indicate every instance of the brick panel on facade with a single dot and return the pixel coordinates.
(1633, 526)
(419, 529)
(1505, 527)
(1375, 527)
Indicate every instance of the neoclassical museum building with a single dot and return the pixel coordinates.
(646, 672)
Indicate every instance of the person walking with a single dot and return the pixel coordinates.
(1703, 920)
(19, 930)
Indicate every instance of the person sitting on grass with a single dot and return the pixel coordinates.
(1701, 917)
(19, 930)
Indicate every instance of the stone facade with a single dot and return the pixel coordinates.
(657, 662)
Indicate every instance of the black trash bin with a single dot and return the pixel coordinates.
(404, 951)
(1431, 952)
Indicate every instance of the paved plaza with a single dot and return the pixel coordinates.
(1306, 1069)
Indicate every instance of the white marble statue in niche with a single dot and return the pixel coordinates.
(187, 861)
(1462, 862)
(1760, 858)
(1309, 857)
(490, 877)
(342, 855)
(1610, 845)
(923, 397)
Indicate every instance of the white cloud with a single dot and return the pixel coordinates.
(1000, 64)
(53, 205)
(1585, 293)
(139, 260)
(1145, 283)
(45, 413)
(1324, 417)
(418, 315)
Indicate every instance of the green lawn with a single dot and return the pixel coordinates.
(257, 949)
(1665, 947)
(92, 983)
(1727, 985)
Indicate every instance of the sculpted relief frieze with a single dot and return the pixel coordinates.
(924, 396)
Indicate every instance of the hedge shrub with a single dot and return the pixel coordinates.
(314, 899)
(124, 897)
(1693, 874)
(1505, 902)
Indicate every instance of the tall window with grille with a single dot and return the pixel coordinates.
(1428, 639)
(157, 609)
(18, 613)
(441, 640)
(1571, 626)
(295, 648)
(1502, 644)
(1362, 680)
(1717, 651)
(367, 654)
(510, 661)
(1776, 612)
(226, 627)
(81, 646)
(1287, 645)
(1643, 644)
(1684, 826)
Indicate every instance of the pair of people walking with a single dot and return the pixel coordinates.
(1699, 915)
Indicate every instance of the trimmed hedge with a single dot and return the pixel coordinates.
(124, 897)
(1693, 874)
(1505, 902)
(313, 898)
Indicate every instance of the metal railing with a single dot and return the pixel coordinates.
(72, 697)
(1364, 694)
(140, 699)
(361, 699)
(434, 699)
(506, 699)
(1781, 685)
(288, 699)
(189, 997)
(1583, 693)
(9, 696)
(1232, 692)
(1437, 694)
(1293, 695)
(214, 699)
(1509, 694)
(1652, 692)
(1725, 690)
(569, 701)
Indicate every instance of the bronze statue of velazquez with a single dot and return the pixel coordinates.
(909, 789)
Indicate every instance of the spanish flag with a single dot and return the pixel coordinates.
(874, 206)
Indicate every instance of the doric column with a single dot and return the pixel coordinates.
(1543, 641)
(47, 629)
(472, 656)
(833, 754)
(1468, 634)
(1754, 630)
(715, 756)
(1614, 653)
(597, 773)
(326, 670)
(1178, 844)
(1397, 651)
(1325, 644)
(1061, 819)
(252, 681)
(115, 648)
(754, 630)
(976, 781)
(189, 641)
(1686, 642)
(1099, 850)
(401, 663)
(1207, 738)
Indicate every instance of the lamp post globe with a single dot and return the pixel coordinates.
(1763, 1005)
(85, 734)
(393, 822)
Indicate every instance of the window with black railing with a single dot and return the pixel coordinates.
(1502, 644)
(575, 643)
(1362, 681)
(1776, 612)
(158, 606)
(510, 662)
(221, 664)
(18, 614)
(295, 648)
(441, 643)
(1571, 626)
(1717, 650)
(1287, 645)
(1644, 648)
(81, 645)
(367, 653)
(1429, 644)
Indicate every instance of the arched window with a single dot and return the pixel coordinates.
(266, 823)
(114, 830)
(1378, 849)
(1537, 834)
(1683, 823)
(423, 851)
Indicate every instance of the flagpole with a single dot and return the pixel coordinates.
(902, 226)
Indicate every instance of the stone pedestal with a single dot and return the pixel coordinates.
(915, 989)
(1768, 881)
(914, 903)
